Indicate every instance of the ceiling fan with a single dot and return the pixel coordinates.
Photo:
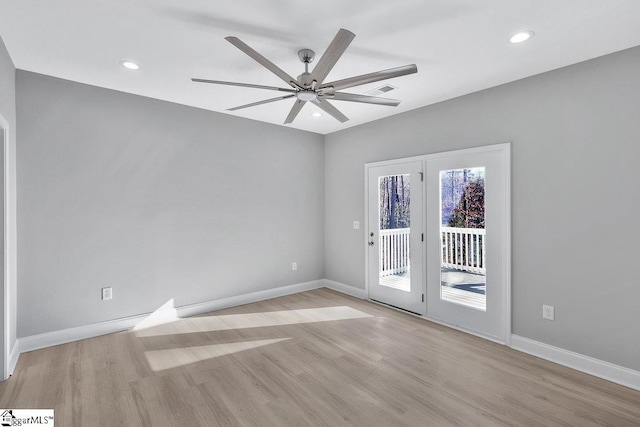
(310, 86)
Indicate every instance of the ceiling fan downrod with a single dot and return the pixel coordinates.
(306, 56)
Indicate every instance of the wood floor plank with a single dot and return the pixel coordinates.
(309, 359)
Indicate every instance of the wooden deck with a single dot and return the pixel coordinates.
(461, 287)
(397, 281)
(458, 287)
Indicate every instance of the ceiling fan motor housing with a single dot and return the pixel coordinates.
(305, 79)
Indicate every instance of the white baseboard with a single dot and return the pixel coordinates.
(48, 339)
(63, 336)
(598, 368)
(13, 358)
(205, 307)
(345, 289)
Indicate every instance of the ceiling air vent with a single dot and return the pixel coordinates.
(381, 90)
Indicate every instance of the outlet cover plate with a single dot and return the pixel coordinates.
(107, 293)
(548, 312)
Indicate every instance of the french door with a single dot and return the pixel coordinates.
(467, 242)
(439, 238)
(395, 234)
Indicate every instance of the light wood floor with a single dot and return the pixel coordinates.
(316, 358)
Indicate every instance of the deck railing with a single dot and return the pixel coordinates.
(394, 251)
(464, 249)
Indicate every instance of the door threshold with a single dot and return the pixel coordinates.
(395, 307)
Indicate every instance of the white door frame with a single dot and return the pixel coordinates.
(504, 149)
(6, 356)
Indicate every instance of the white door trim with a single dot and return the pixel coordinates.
(6, 331)
(504, 149)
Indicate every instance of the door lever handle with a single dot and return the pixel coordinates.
(371, 243)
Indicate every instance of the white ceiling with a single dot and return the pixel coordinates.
(459, 46)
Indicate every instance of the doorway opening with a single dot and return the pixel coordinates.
(439, 240)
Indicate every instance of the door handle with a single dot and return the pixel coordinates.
(371, 243)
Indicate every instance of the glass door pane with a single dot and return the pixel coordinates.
(463, 235)
(394, 196)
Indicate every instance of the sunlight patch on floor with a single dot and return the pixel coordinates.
(254, 320)
(164, 314)
(160, 360)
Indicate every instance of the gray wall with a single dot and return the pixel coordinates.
(164, 201)
(8, 111)
(159, 201)
(575, 136)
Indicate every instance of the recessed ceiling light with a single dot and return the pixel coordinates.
(130, 65)
(522, 36)
(316, 114)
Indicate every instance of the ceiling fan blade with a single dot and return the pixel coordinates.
(263, 61)
(294, 111)
(370, 78)
(266, 101)
(218, 82)
(353, 97)
(340, 42)
(331, 110)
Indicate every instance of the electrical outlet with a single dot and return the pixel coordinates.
(294, 266)
(548, 312)
(356, 225)
(107, 293)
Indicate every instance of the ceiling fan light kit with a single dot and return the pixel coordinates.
(306, 95)
(310, 86)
